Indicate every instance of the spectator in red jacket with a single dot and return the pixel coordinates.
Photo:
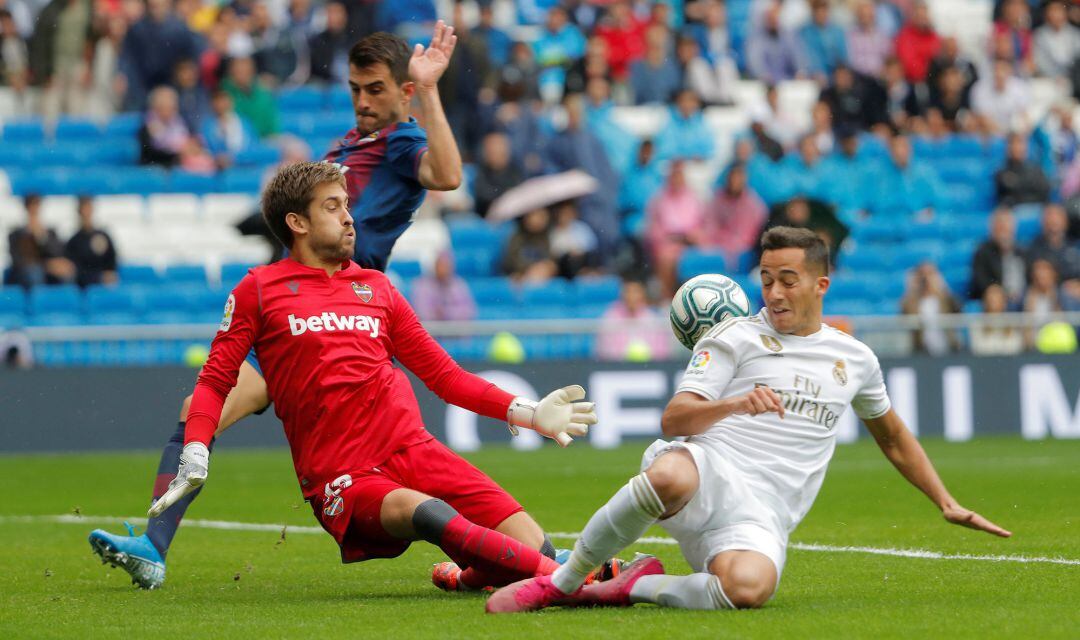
(625, 37)
(917, 43)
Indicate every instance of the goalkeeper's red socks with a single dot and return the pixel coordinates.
(486, 557)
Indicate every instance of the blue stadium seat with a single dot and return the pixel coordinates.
(139, 180)
(185, 274)
(338, 98)
(851, 288)
(197, 183)
(232, 272)
(497, 312)
(208, 301)
(963, 146)
(466, 234)
(124, 125)
(547, 294)
(169, 317)
(406, 269)
(865, 258)
(301, 99)
(298, 124)
(958, 279)
(113, 299)
(176, 298)
(27, 131)
(493, 291)
(14, 153)
(589, 311)
(91, 181)
(141, 274)
(477, 262)
(242, 180)
(101, 152)
(334, 124)
(12, 307)
(105, 317)
(695, 262)
(57, 319)
(855, 308)
(26, 181)
(12, 299)
(259, 155)
(597, 290)
(64, 298)
(81, 129)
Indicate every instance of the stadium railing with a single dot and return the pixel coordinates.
(540, 339)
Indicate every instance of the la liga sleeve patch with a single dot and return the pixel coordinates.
(227, 316)
(699, 363)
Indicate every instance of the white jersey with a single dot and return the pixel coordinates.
(783, 460)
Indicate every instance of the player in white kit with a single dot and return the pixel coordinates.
(759, 402)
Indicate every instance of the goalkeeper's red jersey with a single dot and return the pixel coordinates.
(326, 345)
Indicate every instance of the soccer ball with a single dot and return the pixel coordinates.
(703, 302)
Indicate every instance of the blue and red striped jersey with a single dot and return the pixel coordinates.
(382, 180)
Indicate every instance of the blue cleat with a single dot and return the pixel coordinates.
(134, 554)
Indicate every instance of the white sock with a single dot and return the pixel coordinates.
(629, 513)
(695, 591)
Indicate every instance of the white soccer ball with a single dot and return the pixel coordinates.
(703, 302)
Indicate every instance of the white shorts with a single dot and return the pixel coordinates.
(724, 514)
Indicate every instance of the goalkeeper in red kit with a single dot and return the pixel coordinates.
(326, 332)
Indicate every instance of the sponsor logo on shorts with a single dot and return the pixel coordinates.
(330, 321)
(226, 318)
(362, 291)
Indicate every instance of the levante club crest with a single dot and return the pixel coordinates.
(362, 291)
(334, 507)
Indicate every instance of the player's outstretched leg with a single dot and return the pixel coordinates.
(662, 490)
(496, 558)
(143, 557)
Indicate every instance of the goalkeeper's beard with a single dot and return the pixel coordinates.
(336, 251)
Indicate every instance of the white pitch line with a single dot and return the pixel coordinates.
(226, 525)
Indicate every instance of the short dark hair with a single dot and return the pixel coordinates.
(291, 190)
(385, 48)
(31, 199)
(815, 249)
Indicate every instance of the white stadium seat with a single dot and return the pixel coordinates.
(228, 208)
(642, 122)
(422, 241)
(59, 212)
(172, 207)
(110, 211)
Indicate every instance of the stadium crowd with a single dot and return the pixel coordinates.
(533, 89)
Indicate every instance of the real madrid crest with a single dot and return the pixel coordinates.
(771, 343)
(362, 291)
(839, 372)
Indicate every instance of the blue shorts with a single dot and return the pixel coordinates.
(253, 361)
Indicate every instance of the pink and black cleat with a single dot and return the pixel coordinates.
(539, 593)
(616, 592)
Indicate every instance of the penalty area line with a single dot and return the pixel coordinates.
(227, 525)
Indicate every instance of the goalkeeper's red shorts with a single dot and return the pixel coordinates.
(351, 513)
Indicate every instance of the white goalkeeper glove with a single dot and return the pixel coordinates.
(194, 464)
(558, 416)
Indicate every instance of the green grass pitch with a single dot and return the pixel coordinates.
(252, 584)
